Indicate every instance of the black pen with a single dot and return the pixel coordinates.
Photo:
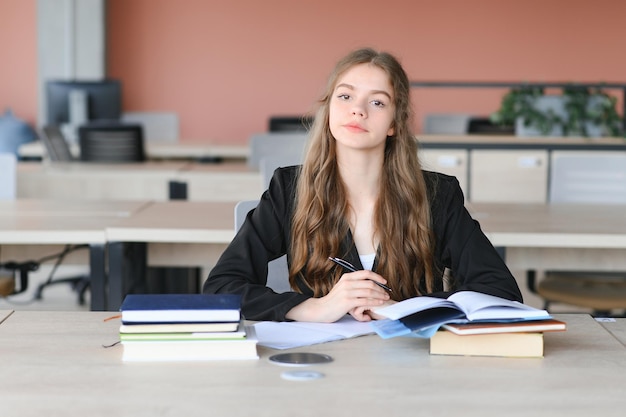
(351, 268)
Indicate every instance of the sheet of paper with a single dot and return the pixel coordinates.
(285, 335)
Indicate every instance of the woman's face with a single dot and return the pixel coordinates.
(362, 108)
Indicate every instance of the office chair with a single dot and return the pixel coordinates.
(58, 151)
(598, 179)
(56, 146)
(273, 144)
(277, 270)
(290, 123)
(157, 126)
(446, 124)
(111, 142)
(269, 163)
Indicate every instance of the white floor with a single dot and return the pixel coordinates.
(58, 297)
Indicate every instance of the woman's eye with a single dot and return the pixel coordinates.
(343, 96)
(378, 103)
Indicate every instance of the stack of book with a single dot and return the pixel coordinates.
(521, 339)
(469, 323)
(185, 327)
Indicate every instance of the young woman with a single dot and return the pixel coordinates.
(362, 196)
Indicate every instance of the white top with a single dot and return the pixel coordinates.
(367, 260)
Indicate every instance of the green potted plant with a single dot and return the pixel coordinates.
(579, 111)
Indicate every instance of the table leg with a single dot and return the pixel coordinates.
(97, 277)
(127, 267)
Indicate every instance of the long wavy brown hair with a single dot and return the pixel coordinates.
(402, 214)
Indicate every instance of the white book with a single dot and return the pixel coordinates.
(192, 350)
(473, 305)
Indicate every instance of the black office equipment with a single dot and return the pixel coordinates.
(111, 142)
(78, 102)
(290, 123)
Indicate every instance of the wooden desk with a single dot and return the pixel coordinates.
(171, 233)
(221, 182)
(54, 364)
(617, 327)
(85, 181)
(562, 236)
(231, 181)
(534, 237)
(29, 228)
(162, 150)
(4, 314)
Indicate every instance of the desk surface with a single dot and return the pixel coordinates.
(552, 225)
(177, 221)
(524, 225)
(60, 222)
(161, 150)
(55, 361)
(229, 181)
(4, 314)
(519, 142)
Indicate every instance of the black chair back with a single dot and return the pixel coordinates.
(111, 143)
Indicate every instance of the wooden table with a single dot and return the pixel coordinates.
(556, 236)
(31, 228)
(534, 236)
(172, 233)
(54, 363)
(153, 180)
(162, 150)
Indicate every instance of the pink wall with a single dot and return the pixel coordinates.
(18, 58)
(225, 67)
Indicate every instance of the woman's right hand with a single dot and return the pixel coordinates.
(355, 293)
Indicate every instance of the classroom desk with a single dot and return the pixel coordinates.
(556, 236)
(54, 363)
(230, 181)
(162, 150)
(170, 233)
(533, 236)
(30, 229)
(4, 314)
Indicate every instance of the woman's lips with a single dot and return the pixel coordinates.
(355, 128)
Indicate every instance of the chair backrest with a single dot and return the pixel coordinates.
(55, 144)
(275, 144)
(270, 163)
(595, 177)
(446, 124)
(277, 270)
(8, 176)
(111, 143)
(290, 123)
(157, 126)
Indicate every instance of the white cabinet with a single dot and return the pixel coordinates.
(447, 161)
(509, 176)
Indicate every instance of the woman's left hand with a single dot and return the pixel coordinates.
(367, 314)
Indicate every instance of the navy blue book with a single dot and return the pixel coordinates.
(181, 308)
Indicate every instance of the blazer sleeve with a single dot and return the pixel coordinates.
(242, 268)
(463, 247)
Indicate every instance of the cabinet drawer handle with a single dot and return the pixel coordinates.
(448, 161)
(528, 162)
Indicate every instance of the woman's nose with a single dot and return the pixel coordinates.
(358, 110)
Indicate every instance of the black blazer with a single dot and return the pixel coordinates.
(460, 246)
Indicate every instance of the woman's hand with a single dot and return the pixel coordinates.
(355, 293)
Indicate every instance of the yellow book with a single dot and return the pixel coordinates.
(523, 345)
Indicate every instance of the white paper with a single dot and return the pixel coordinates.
(285, 335)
